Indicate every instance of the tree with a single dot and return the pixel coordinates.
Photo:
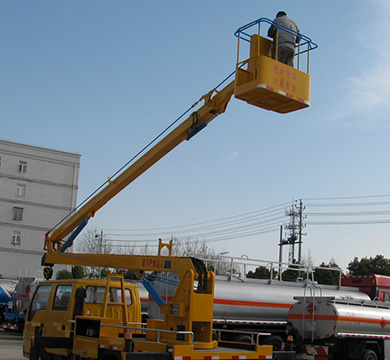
(290, 274)
(103, 273)
(328, 277)
(377, 265)
(63, 274)
(194, 247)
(260, 272)
(95, 242)
(77, 272)
(125, 249)
(128, 275)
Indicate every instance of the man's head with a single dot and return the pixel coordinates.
(289, 325)
(280, 14)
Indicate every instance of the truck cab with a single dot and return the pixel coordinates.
(377, 287)
(55, 304)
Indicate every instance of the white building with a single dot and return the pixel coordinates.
(38, 188)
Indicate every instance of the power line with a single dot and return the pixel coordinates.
(376, 203)
(259, 222)
(119, 243)
(346, 197)
(351, 213)
(224, 221)
(356, 222)
(208, 230)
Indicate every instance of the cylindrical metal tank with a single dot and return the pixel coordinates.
(4, 295)
(254, 300)
(321, 318)
(267, 301)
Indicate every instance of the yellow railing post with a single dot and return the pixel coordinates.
(258, 42)
(299, 54)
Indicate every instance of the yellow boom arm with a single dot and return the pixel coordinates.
(135, 263)
(214, 105)
(260, 81)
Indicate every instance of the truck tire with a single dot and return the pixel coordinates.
(369, 355)
(33, 353)
(110, 355)
(38, 354)
(274, 340)
(242, 338)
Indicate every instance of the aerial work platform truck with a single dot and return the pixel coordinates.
(106, 330)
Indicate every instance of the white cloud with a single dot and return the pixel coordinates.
(368, 93)
(231, 155)
(371, 89)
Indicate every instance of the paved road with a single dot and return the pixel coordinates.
(11, 345)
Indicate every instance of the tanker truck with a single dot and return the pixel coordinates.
(334, 328)
(15, 310)
(5, 297)
(262, 306)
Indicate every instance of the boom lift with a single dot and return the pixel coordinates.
(260, 81)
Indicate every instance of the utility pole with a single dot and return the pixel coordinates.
(100, 247)
(295, 227)
(301, 226)
(281, 243)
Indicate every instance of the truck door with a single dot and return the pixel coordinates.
(60, 312)
(94, 301)
(384, 295)
(133, 308)
(36, 315)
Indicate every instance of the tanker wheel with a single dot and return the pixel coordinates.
(110, 355)
(242, 338)
(274, 340)
(369, 355)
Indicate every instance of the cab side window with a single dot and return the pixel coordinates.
(95, 295)
(116, 296)
(40, 300)
(62, 297)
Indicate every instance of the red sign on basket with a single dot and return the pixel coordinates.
(284, 78)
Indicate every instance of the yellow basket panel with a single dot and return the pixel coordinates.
(277, 87)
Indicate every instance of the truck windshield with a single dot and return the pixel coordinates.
(40, 300)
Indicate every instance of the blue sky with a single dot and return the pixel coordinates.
(102, 78)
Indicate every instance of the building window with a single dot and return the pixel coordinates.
(20, 190)
(16, 237)
(22, 168)
(18, 213)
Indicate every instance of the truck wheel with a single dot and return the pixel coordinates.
(33, 353)
(110, 355)
(38, 354)
(369, 355)
(275, 341)
(243, 339)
